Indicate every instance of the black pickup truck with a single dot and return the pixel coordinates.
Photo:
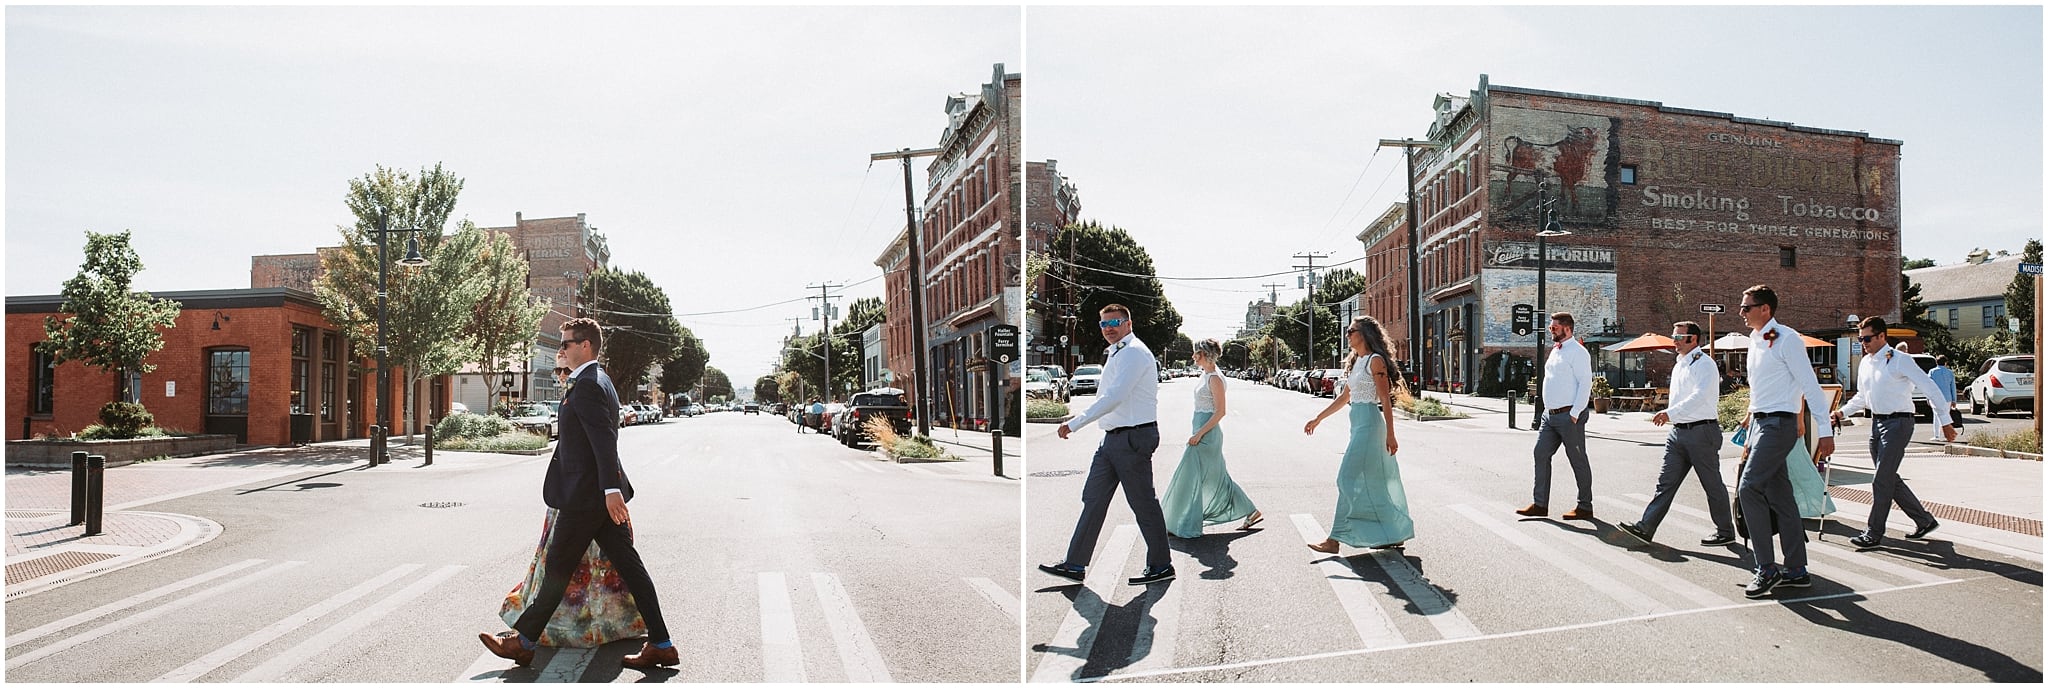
(850, 426)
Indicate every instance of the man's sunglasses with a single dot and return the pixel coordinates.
(1747, 306)
(1680, 337)
(1866, 338)
(1112, 322)
(567, 342)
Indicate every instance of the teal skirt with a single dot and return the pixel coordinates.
(1201, 492)
(1808, 488)
(1372, 509)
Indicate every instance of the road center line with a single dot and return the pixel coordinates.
(1374, 625)
(230, 652)
(1068, 651)
(14, 639)
(782, 654)
(857, 652)
(138, 618)
(275, 669)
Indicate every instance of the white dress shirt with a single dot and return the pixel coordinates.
(1695, 388)
(1129, 392)
(1568, 377)
(1885, 382)
(1779, 374)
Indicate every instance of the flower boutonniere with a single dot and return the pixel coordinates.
(1770, 338)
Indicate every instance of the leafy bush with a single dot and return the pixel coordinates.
(918, 447)
(2021, 441)
(469, 426)
(1044, 408)
(102, 432)
(516, 440)
(125, 419)
(1601, 387)
(1426, 406)
(1734, 405)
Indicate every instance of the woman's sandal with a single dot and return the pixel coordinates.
(1252, 520)
(1332, 544)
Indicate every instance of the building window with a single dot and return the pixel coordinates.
(1952, 318)
(302, 369)
(42, 381)
(1787, 257)
(1992, 315)
(1628, 174)
(330, 354)
(227, 382)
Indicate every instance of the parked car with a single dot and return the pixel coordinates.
(1040, 383)
(536, 418)
(850, 426)
(649, 413)
(1087, 379)
(627, 416)
(823, 422)
(753, 408)
(2003, 382)
(457, 407)
(1331, 378)
(1920, 408)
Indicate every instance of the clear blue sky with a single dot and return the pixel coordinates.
(722, 151)
(1226, 139)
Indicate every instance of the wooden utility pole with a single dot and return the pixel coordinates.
(922, 393)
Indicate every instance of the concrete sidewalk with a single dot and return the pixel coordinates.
(976, 448)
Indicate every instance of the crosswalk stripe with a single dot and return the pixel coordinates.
(487, 668)
(995, 595)
(782, 655)
(1702, 524)
(918, 469)
(1835, 553)
(275, 668)
(1374, 625)
(1449, 621)
(14, 639)
(1613, 559)
(567, 666)
(1070, 646)
(228, 653)
(857, 652)
(1154, 649)
(1628, 597)
(139, 617)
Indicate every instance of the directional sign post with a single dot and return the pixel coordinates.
(1524, 319)
(1711, 309)
(2030, 268)
(1002, 348)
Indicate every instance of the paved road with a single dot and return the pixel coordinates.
(1482, 595)
(779, 557)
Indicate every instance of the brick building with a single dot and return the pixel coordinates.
(560, 252)
(899, 352)
(1051, 202)
(972, 240)
(1668, 209)
(246, 362)
(1386, 289)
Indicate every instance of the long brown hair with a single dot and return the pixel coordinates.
(1375, 342)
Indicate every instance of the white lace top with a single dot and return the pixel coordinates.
(1359, 381)
(1205, 401)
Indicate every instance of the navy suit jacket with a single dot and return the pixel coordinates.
(586, 461)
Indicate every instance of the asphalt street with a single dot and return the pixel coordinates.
(778, 556)
(1482, 594)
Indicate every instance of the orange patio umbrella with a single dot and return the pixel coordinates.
(1648, 342)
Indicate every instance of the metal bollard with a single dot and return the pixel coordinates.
(77, 488)
(430, 445)
(95, 492)
(1511, 410)
(376, 443)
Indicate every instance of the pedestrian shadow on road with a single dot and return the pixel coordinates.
(1213, 552)
(1848, 614)
(1376, 572)
(1119, 637)
(1941, 555)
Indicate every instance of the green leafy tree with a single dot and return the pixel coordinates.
(1236, 354)
(505, 318)
(1913, 313)
(805, 356)
(640, 329)
(429, 309)
(2019, 299)
(1179, 353)
(1338, 285)
(768, 390)
(1290, 324)
(860, 315)
(716, 384)
(1111, 267)
(1266, 349)
(790, 384)
(110, 326)
(686, 369)
(1917, 263)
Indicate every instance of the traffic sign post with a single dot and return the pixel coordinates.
(1711, 309)
(2030, 268)
(1524, 319)
(1002, 349)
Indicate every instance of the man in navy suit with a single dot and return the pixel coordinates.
(588, 486)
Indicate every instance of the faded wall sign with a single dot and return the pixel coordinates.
(1573, 153)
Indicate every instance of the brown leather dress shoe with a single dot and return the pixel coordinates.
(507, 645)
(651, 657)
(1534, 510)
(1578, 514)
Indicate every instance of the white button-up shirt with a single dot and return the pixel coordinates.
(1568, 377)
(1129, 392)
(1695, 388)
(1779, 374)
(1885, 382)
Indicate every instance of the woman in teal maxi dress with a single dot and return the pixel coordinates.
(1372, 508)
(1201, 492)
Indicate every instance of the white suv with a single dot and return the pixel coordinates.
(2003, 382)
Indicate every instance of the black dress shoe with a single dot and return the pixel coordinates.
(1718, 540)
(1150, 576)
(1804, 580)
(1763, 583)
(1866, 541)
(1924, 530)
(1063, 570)
(1634, 531)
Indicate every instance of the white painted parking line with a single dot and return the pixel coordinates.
(232, 651)
(567, 665)
(14, 639)
(1449, 621)
(1611, 558)
(857, 652)
(1070, 646)
(138, 618)
(1374, 625)
(1832, 552)
(275, 668)
(1628, 597)
(782, 654)
(996, 595)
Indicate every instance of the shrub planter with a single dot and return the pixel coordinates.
(1413, 416)
(1060, 419)
(57, 453)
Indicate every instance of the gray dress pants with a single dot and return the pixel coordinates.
(1691, 450)
(1765, 490)
(1888, 438)
(1558, 429)
(1124, 458)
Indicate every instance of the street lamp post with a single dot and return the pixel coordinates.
(1550, 228)
(380, 433)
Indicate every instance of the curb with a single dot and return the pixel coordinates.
(1049, 421)
(1964, 450)
(192, 532)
